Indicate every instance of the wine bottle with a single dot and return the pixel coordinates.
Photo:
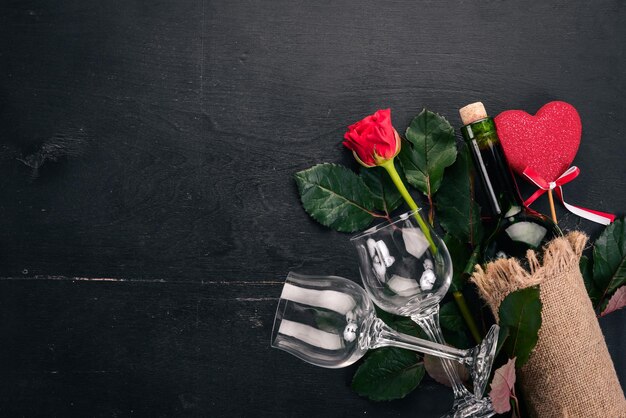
(516, 228)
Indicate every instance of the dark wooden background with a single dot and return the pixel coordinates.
(141, 269)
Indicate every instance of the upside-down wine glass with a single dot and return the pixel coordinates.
(406, 274)
(330, 321)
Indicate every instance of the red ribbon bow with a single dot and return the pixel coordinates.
(569, 175)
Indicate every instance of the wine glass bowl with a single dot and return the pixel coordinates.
(321, 320)
(404, 270)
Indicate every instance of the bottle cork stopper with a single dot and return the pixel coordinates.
(472, 112)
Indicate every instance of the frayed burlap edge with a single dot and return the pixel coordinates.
(504, 276)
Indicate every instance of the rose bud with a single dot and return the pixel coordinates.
(373, 140)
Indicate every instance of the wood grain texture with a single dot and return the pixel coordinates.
(104, 347)
(161, 349)
(191, 118)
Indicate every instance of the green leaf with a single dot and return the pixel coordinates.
(450, 317)
(401, 324)
(388, 198)
(429, 148)
(609, 259)
(336, 197)
(460, 254)
(388, 373)
(453, 325)
(503, 335)
(520, 313)
(458, 212)
(586, 269)
(458, 339)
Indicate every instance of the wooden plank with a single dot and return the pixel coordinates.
(153, 348)
(94, 347)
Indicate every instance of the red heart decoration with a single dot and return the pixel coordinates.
(547, 141)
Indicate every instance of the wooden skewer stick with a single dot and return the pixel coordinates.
(552, 211)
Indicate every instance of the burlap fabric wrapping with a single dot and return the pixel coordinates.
(570, 373)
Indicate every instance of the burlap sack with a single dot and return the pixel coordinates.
(570, 373)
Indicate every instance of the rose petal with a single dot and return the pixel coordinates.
(373, 138)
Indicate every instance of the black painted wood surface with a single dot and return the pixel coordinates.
(148, 213)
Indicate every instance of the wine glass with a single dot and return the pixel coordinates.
(407, 271)
(330, 321)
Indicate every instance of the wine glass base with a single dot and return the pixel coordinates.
(483, 358)
(471, 408)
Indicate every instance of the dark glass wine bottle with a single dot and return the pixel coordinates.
(516, 228)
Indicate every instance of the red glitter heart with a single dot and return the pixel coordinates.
(547, 141)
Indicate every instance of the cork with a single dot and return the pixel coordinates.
(472, 112)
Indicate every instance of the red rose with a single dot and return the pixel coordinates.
(373, 140)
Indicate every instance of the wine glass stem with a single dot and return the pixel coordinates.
(429, 322)
(381, 335)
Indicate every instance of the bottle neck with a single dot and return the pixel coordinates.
(500, 189)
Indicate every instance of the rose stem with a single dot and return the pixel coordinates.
(467, 316)
(458, 296)
(397, 181)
